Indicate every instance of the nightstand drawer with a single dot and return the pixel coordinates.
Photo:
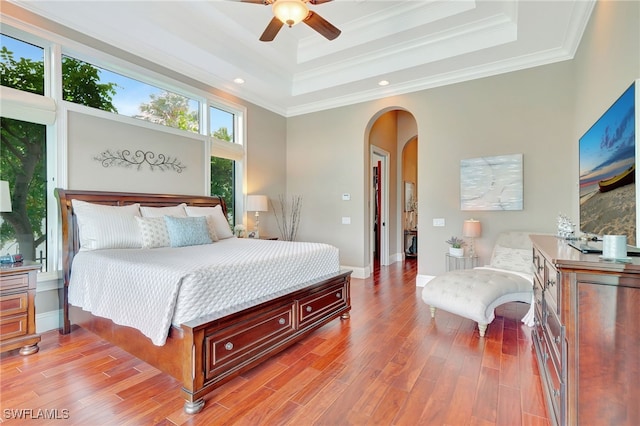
(18, 283)
(13, 304)
(12, 282)
(13, 326)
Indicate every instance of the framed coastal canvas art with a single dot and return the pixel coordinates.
(608, 171)
(491, 183)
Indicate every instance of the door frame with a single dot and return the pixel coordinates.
(379, 154)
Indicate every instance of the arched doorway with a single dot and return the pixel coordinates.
(388, 133)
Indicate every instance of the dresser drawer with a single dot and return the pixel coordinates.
(322, 303)
(237, 343)
(538, 265)
(14, 304)
(14, 282)
(552, 288)
(13, 326)
(537, 297)
(555, 336)
(554, 385)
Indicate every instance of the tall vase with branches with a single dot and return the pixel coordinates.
(288, 215)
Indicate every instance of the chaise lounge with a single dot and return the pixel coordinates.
(475, 293)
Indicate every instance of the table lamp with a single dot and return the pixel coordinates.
(5, 197)
(471, 229)
(257, 203)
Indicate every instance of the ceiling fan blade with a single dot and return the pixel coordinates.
(321, 25)
(255, 1)
(272, 30)
(318, 1)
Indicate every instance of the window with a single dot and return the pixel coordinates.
(31, 142)
(22, 65)
(23, 157)
(223, 183)
(125, 96)
(225, 153)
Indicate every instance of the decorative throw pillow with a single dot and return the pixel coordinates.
(176, 211)
(104, 227)
(153, 231)
(512, 259)
(187, 231)
(219, 223)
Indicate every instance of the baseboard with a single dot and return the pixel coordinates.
(361, 273)
(46, 321)
(421, 280)
(398, 257)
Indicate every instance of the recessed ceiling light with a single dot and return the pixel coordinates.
(383, 83)
(238, 80)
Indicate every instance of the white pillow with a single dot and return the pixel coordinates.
(103, 227)
(175, 211)
(219, 222)
(153, 231)
(512, 259)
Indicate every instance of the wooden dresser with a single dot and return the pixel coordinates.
(587, 335)
(17, 307)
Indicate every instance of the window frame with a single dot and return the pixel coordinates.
(55, 46)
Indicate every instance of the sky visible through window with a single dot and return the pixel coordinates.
(130, 93)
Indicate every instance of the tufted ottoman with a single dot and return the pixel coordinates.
(475, 293)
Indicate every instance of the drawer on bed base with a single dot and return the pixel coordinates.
(239, 342)
(322, 303)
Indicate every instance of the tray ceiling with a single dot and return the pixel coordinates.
(414, 45)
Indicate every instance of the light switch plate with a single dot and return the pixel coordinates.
(438, 221)
(346, 220)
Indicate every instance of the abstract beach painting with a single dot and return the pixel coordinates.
(491, 183)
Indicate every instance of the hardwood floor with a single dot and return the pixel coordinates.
(388, 364)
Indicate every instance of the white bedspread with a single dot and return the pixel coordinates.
(151, 289)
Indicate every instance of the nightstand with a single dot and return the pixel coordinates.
(454, 263)
(17, 307)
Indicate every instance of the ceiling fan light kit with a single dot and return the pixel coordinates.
(290, 12)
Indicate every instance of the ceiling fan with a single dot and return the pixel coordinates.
(291, 12)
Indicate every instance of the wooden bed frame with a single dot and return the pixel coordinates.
(206, 352)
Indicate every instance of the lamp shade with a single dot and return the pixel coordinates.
(257, 203)
(5, 196)
(290, 12)
(471, 228)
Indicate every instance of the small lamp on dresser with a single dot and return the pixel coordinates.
(471, 229)
(257, 203)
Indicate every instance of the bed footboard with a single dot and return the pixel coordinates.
(204, 354)
(234, 344)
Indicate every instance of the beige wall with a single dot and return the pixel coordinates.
(606, 64)
(525, 112)
(532, 112)
(266, 162)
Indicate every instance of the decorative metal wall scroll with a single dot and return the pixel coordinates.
(125, 158)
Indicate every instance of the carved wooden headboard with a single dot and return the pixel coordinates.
(70, 236)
